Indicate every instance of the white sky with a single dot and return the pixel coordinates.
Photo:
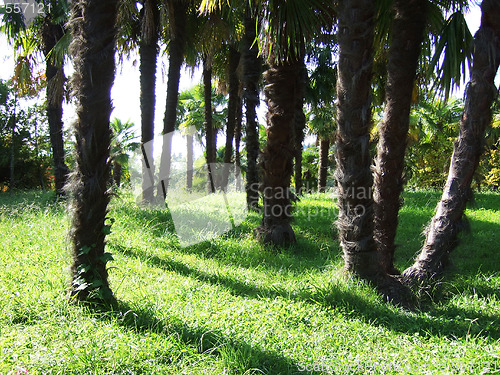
(125, 92)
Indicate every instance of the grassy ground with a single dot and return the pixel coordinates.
(231, 306)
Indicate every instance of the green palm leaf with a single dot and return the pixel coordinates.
(452, 57)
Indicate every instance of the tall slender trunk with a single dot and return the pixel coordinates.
(252, 71)
(39, 160)
(13, 122)
(189, 162)
(324, 147)
(148, 53)
(93, 50)
(407, 36)
(232, 112)
(210, 133)
(353, 174)
(51, 34)
(300, 125)
(283, 88)
(177, 18)
(237, 141)
(441, 237)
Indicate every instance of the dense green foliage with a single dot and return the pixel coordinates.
(434, 125)
(232, 306)
(25, 130)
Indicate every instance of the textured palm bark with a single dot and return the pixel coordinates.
(407, 35)
(93, 57)
(237, 141)
(441, 236)
(51, 34)
(353, 173)
(283, 88)
(148, 53)
(210, 132)
(232, 112)
(252, 71)
(300, 125)
(177, 19)
(324, 147)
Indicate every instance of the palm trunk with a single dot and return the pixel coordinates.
(210, 133)
(441, 237)
(251, 74)
(283, 88)
(353, 174)
(177, 17)
(148, 52)
(237, 141)
(407, 35)
(13, 122)
(300, 125)
(232, 112)
(51, 34)
(324, 147)
(39, 159)
(93, 49)
(189, 163)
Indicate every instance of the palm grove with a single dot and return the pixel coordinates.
(341, 61)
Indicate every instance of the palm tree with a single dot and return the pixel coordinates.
(407, 37)
(177, 16)
(252, 72)
(210, 131)
(441, 236)
(52, 32)
(122, 143)
(320, 96)
(232, 111)
(192, 118)
(93, 47)
(322, 123)
(283, 88)
(148, 53)
(286, 27)
(356, 20)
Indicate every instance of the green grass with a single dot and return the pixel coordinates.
(231, 306)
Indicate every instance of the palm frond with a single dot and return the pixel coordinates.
(453, 55)
(287, 24)
(57, 56)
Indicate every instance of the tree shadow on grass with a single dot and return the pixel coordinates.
(250, 359)
(486, 200)
(308, 254)
(315, 244)
(19, 203)
(452, 323)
